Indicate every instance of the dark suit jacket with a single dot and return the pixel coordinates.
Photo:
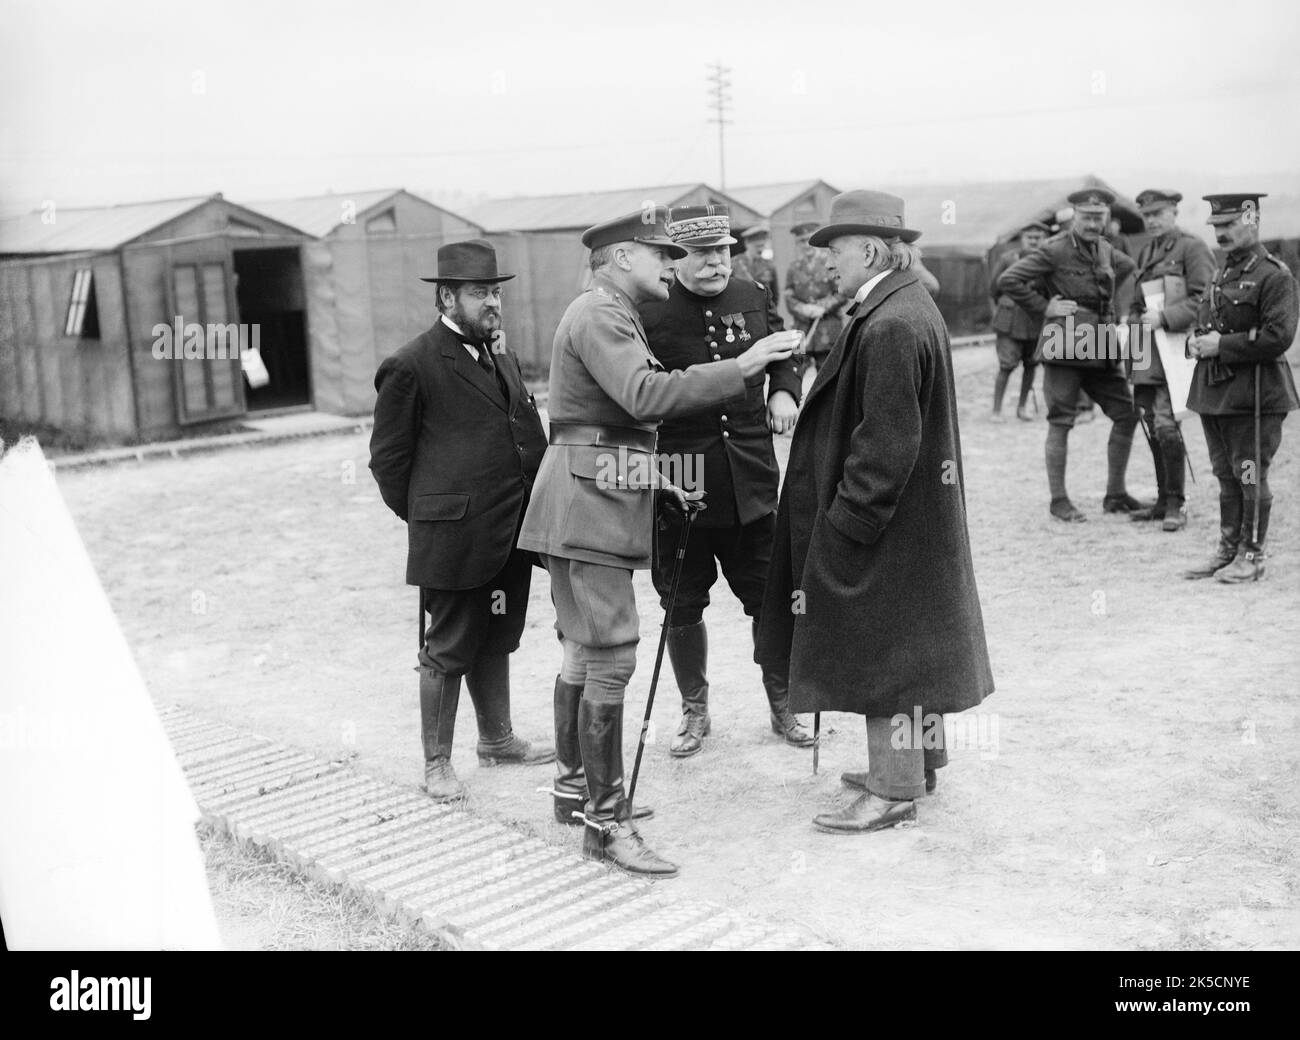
(739, 475)
(454, 457)
(871, 539)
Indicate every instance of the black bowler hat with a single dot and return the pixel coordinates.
(1157, 198)
(1226, 208)
(647, 226)
(471, 261)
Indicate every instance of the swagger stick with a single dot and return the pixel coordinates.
(1259, 475)
(817, 739)
(659, 654)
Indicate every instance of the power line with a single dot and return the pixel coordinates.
(720, 98)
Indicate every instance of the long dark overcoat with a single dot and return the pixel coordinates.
(872, 593)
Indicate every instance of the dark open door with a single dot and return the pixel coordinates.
(211, 387)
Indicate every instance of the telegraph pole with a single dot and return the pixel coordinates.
(719, 78)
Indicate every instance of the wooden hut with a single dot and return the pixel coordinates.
(84, 294)
(783, 206)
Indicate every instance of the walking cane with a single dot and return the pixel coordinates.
(1254, 527)
(817, 739)
(659, 655)
(420, 639)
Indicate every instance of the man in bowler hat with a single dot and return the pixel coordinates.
(455, 448)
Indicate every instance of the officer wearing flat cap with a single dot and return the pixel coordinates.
(1016, 329)
(592, 512)
(1072, 282)
(1174, 266)
(755, 259)
(712, 313)
(811, 298)
(456, 444)
(1242, 387)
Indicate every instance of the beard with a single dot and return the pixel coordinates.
(480, 328)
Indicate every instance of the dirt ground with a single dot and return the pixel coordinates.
(1132, 783)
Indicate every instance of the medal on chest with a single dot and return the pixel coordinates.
(728, 320)
(745, 337)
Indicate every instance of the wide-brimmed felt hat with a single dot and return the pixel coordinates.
(865, 213)
(649, 226)
(471, 261)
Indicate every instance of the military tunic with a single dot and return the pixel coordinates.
(760, 270)
(1071, 268)
(1180, 254)
(1016, 328)
(807, 281)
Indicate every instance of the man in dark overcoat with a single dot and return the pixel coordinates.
(455, 448)
(872, 595)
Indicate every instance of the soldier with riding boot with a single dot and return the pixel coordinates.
(1080, 272)
(1242, 387)
(592, 512)
(455, 447)
(712, 313)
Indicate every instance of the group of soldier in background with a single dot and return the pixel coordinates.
(1240, 318)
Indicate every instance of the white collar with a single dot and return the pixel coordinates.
(452, 325)
(870, 284)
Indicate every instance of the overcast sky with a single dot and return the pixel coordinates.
(123, 101)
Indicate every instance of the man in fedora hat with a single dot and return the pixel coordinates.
(592, 513)
(1072, 282)
(1242, 387)
(871, 602)
(755, 260)
(811, 299)
(1181, 265)
(455, 448)
(1016, 329)
(712, 313)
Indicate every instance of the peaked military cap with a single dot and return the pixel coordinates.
(1157, 198)
(1091, 200)
(472, 261)
(805, 227)
(647, 226)
(1036, 225)
(1226, 208)
(700, 226)
(757, 229)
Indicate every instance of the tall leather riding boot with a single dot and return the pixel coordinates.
(1230, 512)
(489, 686)
(609, 834)
(688, 650)
(1056, 453)
(1157, 510)
(1118, 449)
(1000, 389)
(1175, 499)
(570, 791)
(1249, 564)
(439, 698)
(777, 684)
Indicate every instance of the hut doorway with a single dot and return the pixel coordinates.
(270, 297)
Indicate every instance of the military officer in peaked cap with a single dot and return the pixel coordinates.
(712, 313)
(455, 447)
(811, 297)
(1182, 265)
(1080, 271)
(1242, 387)
(755, 259)
(592, 512)
(1016, 329)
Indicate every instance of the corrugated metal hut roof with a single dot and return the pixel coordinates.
(768, 198)
(91, 228)
(581, 210)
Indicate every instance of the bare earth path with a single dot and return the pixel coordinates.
(1137, 786)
